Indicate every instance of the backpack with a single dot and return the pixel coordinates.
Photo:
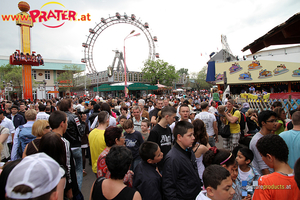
(24, 138)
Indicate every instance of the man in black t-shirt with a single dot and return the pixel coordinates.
(155, 111)
(161, 133)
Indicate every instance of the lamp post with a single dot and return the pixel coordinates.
(125, 69)
(97, 83)
(44, 83)
(7, 87)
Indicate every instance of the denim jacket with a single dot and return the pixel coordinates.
(254, 176)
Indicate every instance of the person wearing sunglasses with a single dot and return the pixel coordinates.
(39, 128)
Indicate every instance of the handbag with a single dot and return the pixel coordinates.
(225, 131)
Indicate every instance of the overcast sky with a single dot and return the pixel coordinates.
(185, 29)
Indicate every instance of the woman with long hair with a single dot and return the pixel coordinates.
(200, 145)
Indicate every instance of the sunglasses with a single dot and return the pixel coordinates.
(47, 127)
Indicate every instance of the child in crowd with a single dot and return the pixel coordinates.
(145, 129)
(246, 172)
(280, 184)
(147, 179)
(122, 119)
(217, 182)
(133, 140)
(180, 174)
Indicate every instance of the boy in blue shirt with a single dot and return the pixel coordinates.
(147, 179)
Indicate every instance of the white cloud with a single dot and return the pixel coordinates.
(185, 29)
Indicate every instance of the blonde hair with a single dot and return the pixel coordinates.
(249, 112)
(38, 127)
(30, 114)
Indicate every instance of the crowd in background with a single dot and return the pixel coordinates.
(153, 147)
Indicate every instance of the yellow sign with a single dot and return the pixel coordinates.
(23, 18)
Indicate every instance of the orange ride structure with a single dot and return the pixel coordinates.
(26, 58)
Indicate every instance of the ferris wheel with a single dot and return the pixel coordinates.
(110, 21)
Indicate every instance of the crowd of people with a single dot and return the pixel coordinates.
(148, 148)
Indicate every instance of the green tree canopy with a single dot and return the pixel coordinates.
(14, 74)
(200, 79)
(71, 77)
(159, 70)
(183, 71)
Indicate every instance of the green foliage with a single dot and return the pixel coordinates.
(12, 73)
(200, 79)
(71, 77)
(183, 71)
(159, 70)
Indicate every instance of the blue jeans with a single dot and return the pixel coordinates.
(77, 155)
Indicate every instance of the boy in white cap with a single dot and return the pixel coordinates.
(35, 177)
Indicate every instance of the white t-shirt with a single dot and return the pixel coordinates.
(208, 120)
(174, 123)
(42, 116)
(212, 110)
(244, 175)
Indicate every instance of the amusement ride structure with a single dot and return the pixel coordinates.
(95, 32)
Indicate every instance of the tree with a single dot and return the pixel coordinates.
(14, 74)
(71, 77)
(183, 71)
(159, 70)
(200, 79)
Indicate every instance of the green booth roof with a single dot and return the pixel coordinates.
(135, 86)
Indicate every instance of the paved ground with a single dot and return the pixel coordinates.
(89, 179)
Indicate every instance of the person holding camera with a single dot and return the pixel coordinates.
(232, 117)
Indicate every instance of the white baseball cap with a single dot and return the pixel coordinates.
(38, 171)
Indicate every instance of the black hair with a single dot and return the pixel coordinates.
(118, 161)
(181, 128)
(111, 134)
(184, 105)
(217, 156)
(265, 115)
(213, 175)
(273, 145)
(147, 150)
(52, 145)
(297, 172)
(168, 110)
(14, 106)
(277, 104)
(93, 103)
(122, 117)
(7, 168)
(186, 102)
(42, 107)
(56, 118)
(247, 153)
(96, 108)
(105, 107)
